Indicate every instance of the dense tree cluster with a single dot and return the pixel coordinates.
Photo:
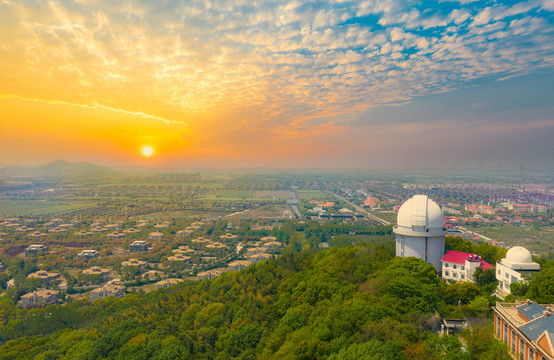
(344, 303)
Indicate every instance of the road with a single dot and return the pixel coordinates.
(360, 209)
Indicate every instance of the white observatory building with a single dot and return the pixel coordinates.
(419, 230)
(517, 263)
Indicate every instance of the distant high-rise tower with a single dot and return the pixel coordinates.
(419, 230)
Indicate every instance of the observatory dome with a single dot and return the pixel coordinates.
(519, 255)
(420, 212)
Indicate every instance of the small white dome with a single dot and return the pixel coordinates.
(519, 255)
(420, 211)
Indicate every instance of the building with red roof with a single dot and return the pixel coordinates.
(460, 266)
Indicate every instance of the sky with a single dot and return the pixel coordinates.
(278, 84)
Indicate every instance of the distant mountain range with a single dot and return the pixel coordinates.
(59, 168)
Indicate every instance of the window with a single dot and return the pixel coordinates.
(506, 333)
(462, 276)
(513, 342)
(446, 273)
(499, 272)
(507, 276)
(454, 266)
(455, 275)
(446, 265)
(498, 324)
(531, 353)
(521, 349)
(463, 267)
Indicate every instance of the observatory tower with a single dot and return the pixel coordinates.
(419, 230)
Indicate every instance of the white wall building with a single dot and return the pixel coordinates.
(419, 230)
(460, 266)
(517, 263)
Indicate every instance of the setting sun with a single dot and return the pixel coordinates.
(147, 150)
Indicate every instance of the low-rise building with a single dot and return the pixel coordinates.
(107, 291)
(46, 277)
(210, 274)
(133, 262)
(273, 245)
(254, 259)
(179, 257)
(517, 263)
(39, 298)
(138, 245)
(88, 254)
(115, 235)
(228, 236)
(95, 270)
(460, 266)
(239, 265)
(184, 233)
(156, 235)
(167, 283)
(527, 329)
(34, 250)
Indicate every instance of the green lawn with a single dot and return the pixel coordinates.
(230, 194)
(36, 207)
(314, 195)
(537, 241)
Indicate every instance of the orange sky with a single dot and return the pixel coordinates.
(212, 84)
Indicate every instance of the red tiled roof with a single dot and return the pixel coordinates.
(459, 257)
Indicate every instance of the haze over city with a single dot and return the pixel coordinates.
(178, 84)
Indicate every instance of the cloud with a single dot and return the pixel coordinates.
(238, 67)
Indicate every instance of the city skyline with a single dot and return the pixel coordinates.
(291, 84)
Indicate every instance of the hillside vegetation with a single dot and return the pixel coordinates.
(344, 303)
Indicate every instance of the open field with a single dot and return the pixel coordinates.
(537, 241)
(185, 213)
(269, 211)
(36, 207)
(314, 195)
(390, 217)
(230, 195)
(248, 195)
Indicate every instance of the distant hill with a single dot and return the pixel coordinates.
(59, 168)
(65, 168)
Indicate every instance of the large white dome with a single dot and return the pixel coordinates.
(519, 255)
(420, 212)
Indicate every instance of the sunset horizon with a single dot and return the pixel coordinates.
(291, 85)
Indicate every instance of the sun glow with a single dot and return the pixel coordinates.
(147, 150)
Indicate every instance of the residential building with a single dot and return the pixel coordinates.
(88, 254)
(517, 263)
(460, 266)
(33, 250)
(254, 259)
(46, 277)
(210, 274)
(115, 235)
(138, 245)
(133, 262)
(167, 283)
(239, 265)
(107, 291)
(184, 233)
(527, 328)
(156, 235)
(95, 270)
(39, 298)
(179, 257)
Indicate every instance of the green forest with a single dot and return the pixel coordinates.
(343, 303)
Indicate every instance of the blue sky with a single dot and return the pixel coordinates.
(283, 83)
